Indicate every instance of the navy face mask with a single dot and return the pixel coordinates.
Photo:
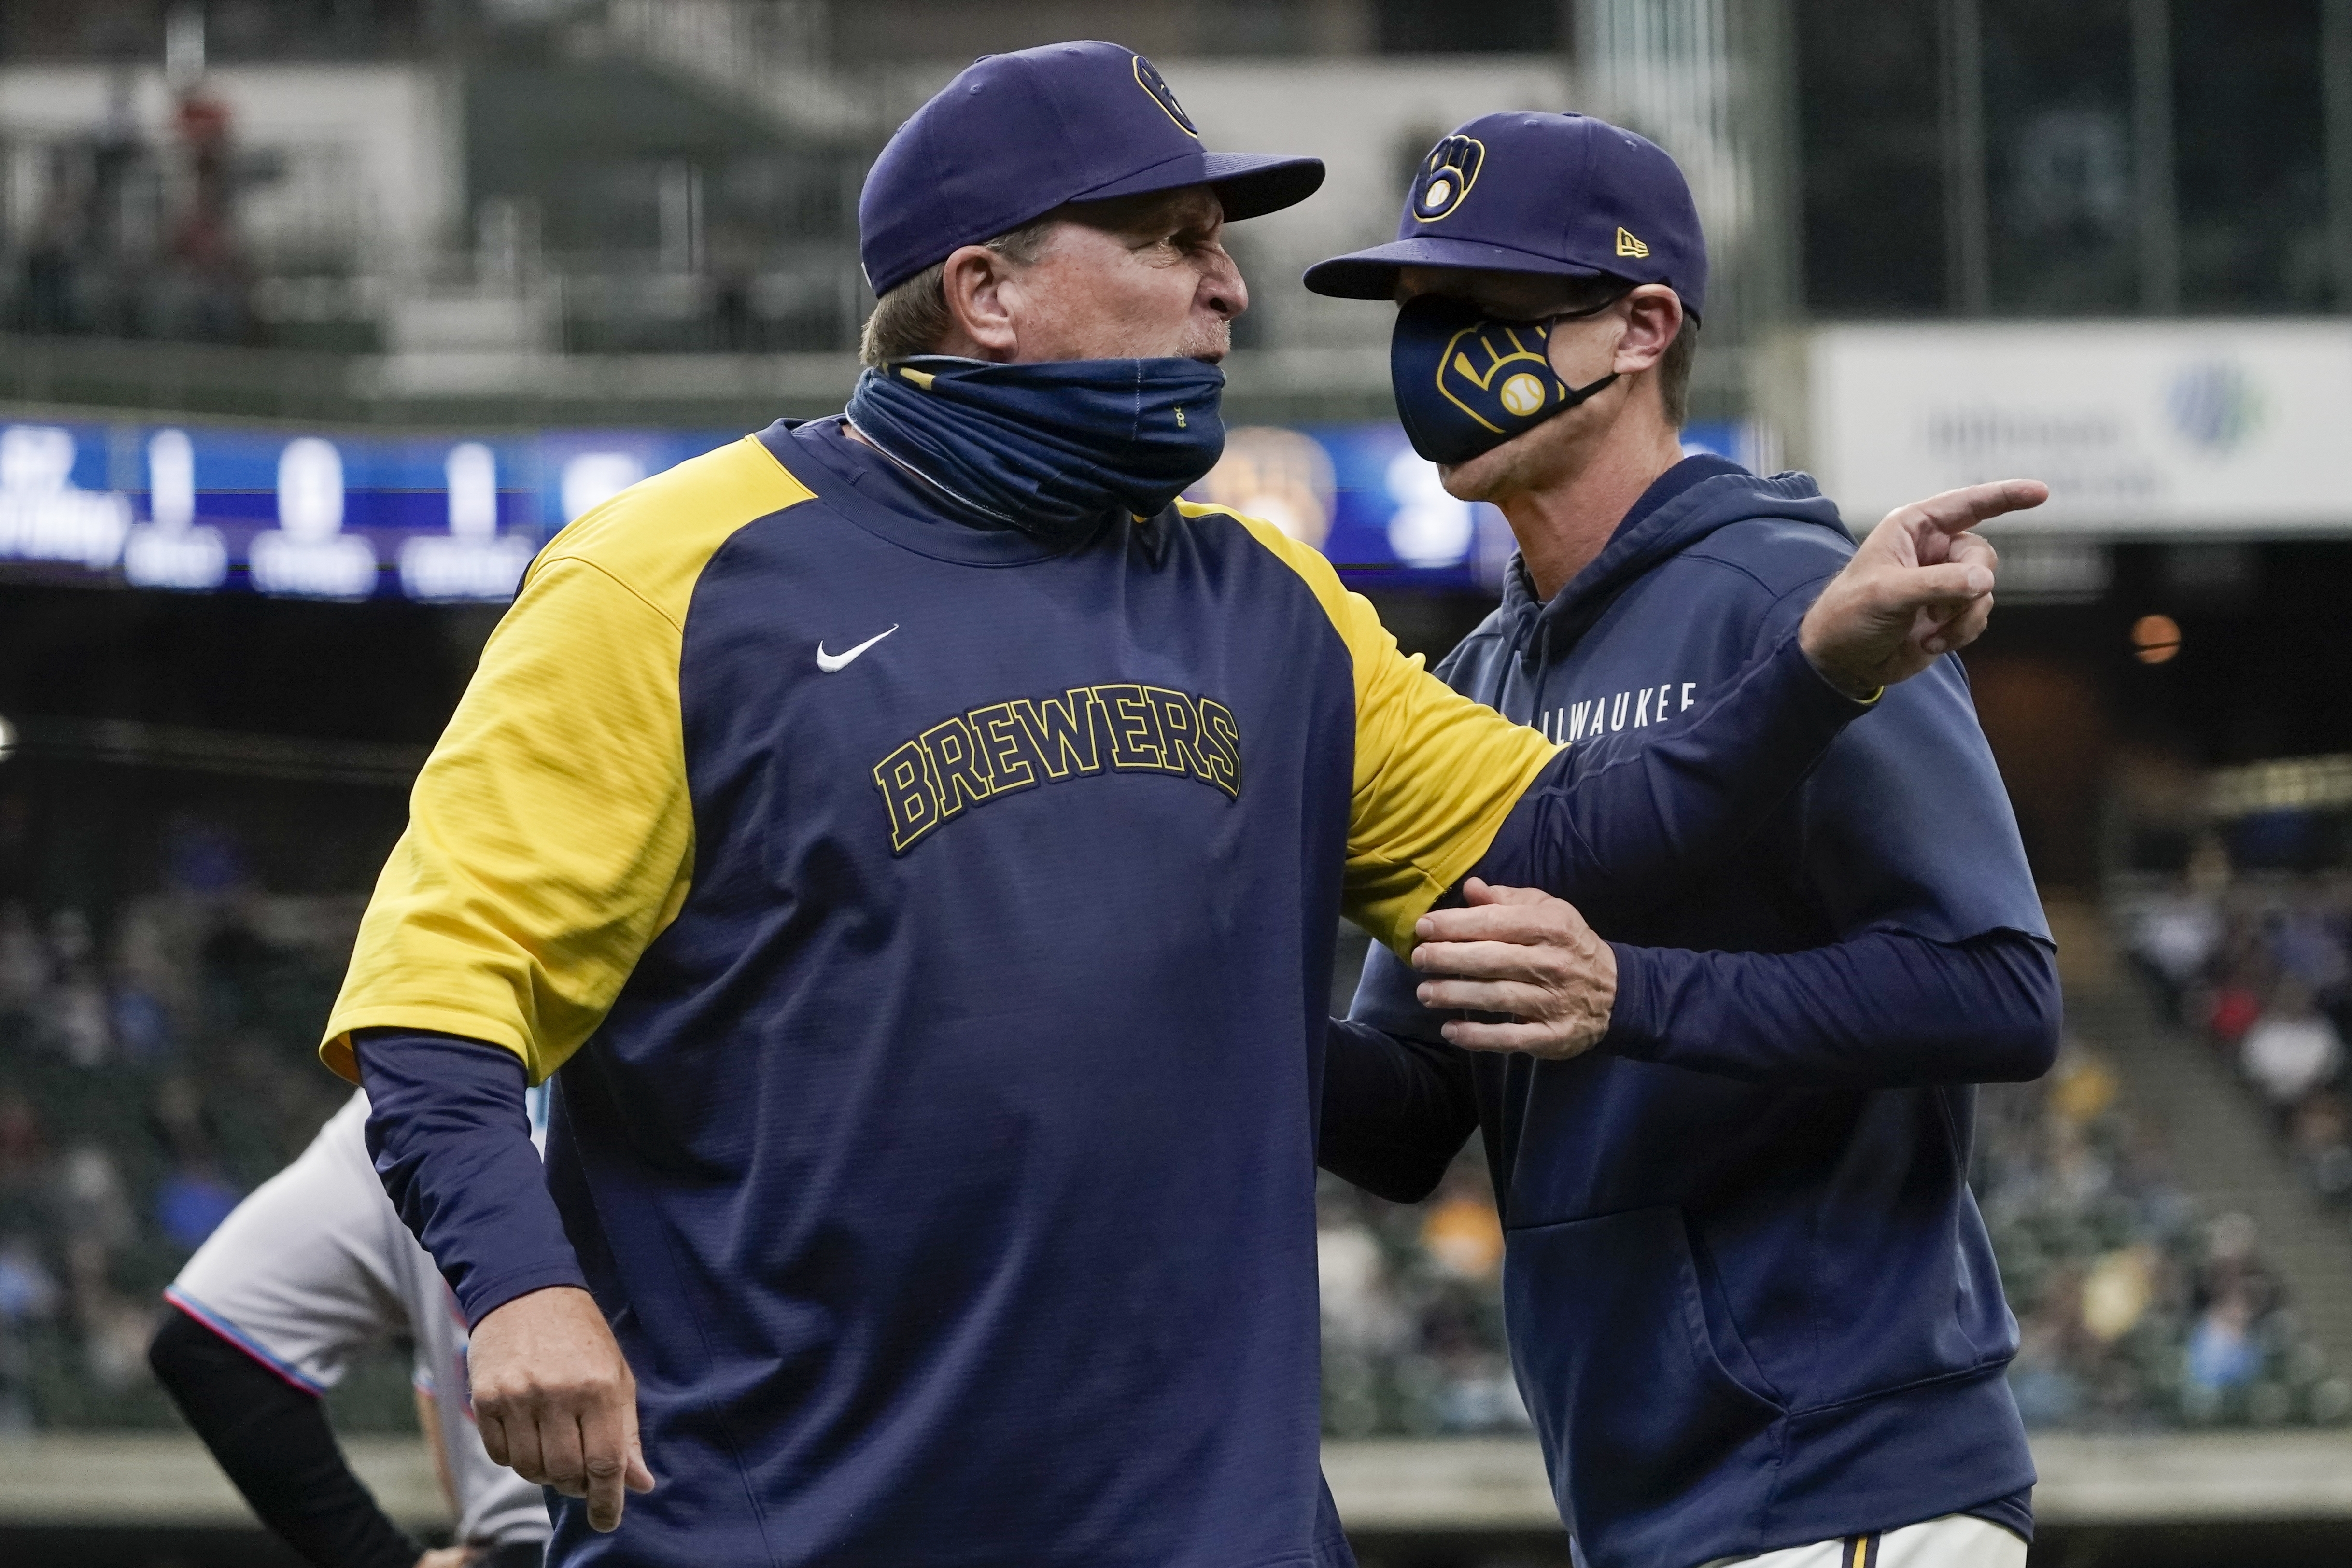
(1050, 449)
(1467, 383)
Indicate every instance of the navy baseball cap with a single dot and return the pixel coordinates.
(1017, 135)
(1527, 192)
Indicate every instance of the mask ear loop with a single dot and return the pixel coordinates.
(1572, 396)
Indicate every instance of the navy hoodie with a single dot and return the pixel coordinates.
(1750, 1302)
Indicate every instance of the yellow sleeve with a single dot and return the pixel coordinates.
(551, 833)
(1435, 772)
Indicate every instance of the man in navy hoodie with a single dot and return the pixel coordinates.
(1751, 1304)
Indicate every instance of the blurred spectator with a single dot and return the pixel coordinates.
(1348, 1269)
(95, 1212)
(193, 1199)
(191, 1204)
(2323, 1144)
(2131, 1315)
(29, 1296)
(1413, 1329)
(2291, 1050)
(24, 962)
(157, 1058)
(2235, 1008)
(2216, 948)
(28, 1292)
(2132, 1312)
(2221, 1353)
(2178, 936)
(1462, 1235)
(23, 1159)
(200, 859)
(141, 1026)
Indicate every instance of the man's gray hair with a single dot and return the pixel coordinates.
(913, 317)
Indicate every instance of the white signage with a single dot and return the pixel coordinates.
(2172, 427)
(474, 561)
(42, 516)
(309, 554)
(174, 550)
(592, 478)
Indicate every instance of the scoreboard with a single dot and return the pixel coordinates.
(324, 515)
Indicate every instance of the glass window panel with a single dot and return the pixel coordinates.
(2248, 155)
(1869, 99)
(2058, 125)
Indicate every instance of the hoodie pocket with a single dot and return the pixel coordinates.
(1637, 1412)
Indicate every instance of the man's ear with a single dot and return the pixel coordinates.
(1653, 318)
(981, 324)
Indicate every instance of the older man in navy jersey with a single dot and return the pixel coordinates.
(904, 832)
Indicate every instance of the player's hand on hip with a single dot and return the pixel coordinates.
(1522, 954)
(1919, 587)
(556, 1401)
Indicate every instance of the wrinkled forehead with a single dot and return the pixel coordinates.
(1517, 296)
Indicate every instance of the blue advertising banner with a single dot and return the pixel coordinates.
(338, 516)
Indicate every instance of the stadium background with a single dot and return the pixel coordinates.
(319, 314)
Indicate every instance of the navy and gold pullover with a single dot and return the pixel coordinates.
(932, 932)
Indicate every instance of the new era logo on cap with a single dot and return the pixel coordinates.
(1628, 245)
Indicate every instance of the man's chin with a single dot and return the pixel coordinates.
(1209, 348)
(1473, 479)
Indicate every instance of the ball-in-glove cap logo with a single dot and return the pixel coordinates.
(1148, 76)
(1446, 176)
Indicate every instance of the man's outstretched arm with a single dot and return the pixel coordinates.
(1935, 964)
(1439, 779)
(1630, 830)
(1622, 826)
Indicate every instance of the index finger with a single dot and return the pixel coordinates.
(1956, 511)
(1476, 891)
(1492, 923)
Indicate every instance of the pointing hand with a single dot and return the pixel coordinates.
(1919, 587)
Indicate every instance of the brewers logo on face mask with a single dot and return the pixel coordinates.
(1446, 176)
(1497, 369)
(1467, 381)
(1148, 77)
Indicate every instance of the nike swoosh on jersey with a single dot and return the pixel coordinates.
(829, 663)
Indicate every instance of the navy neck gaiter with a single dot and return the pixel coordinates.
(1050, 449)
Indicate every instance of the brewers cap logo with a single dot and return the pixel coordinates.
(1446, 176)
(1498, 373)
(1148, 77)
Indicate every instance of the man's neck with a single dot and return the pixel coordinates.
(1562, 527)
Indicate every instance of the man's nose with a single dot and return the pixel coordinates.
(1222, 288)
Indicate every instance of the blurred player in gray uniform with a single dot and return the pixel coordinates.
(312, 1268)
